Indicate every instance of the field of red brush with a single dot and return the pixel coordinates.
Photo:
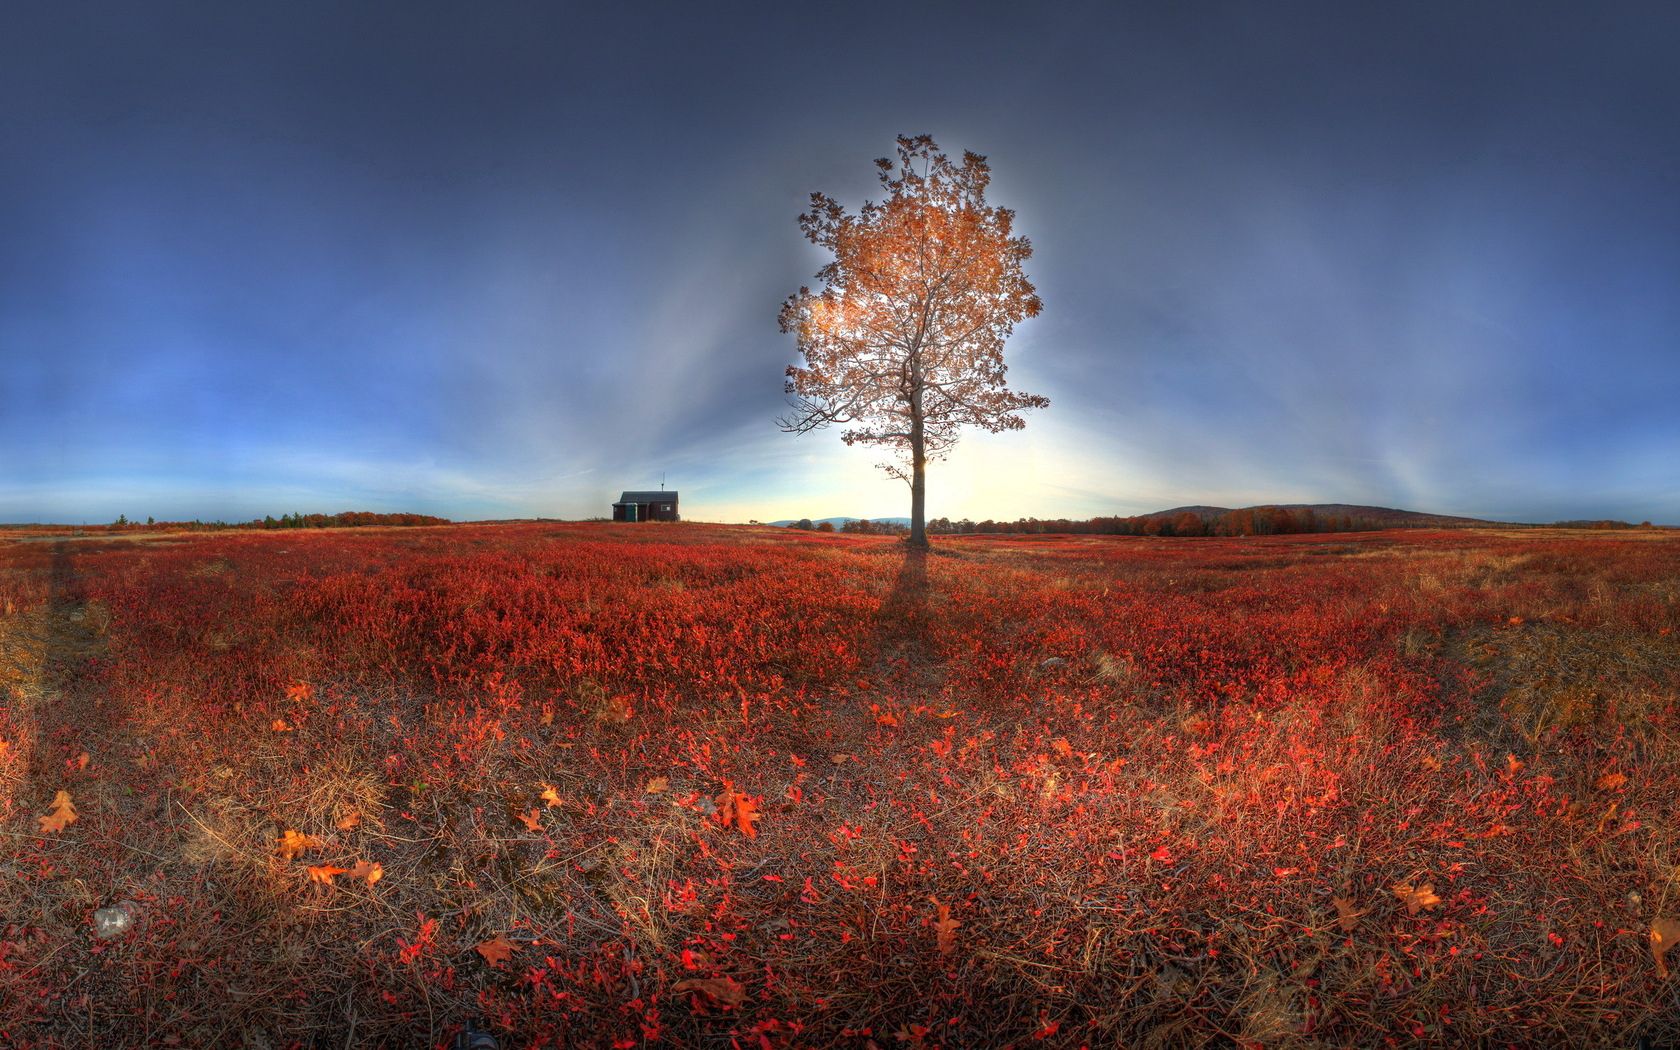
(629, 786)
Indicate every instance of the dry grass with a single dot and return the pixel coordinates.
(1545, 678)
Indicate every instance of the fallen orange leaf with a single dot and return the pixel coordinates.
(1611, 781)
(349, 820)
(723, 990)
(531, 820)
(737, 809)
(746, 816)
(60, 815)
(550, 796)
(1347, 916)
(300, 691)
(323, 873)
(290, 844)
(282, 726)
(1418, 898)
(496, 951)
(82, 760)
(372, 872)
(1664, 932)
(658, 785)
(1609, 815)
(944, 928)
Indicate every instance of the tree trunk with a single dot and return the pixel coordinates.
(918, 475)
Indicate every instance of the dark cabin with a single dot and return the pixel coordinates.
(646, 506)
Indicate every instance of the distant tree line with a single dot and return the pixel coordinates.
(1603, 524)
(865, 527)
(349, 519)
(857, 527)
(1249, 521)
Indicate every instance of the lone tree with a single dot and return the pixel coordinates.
(904, 343)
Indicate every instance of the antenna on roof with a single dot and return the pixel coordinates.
(662, 481)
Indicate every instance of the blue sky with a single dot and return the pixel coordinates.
(505, 260)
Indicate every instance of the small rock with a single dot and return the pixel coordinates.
(115, 920)
(1052, 663)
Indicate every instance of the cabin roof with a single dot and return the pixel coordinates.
(648, 497)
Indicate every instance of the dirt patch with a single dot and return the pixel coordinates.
(1544, 678)
(23, 649)
(214, 567)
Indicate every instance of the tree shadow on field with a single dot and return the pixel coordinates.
(65, 598)
(906, 606)
(38, 645)
(78, 742)
(64, 640)
(903, 646)
(67, 717)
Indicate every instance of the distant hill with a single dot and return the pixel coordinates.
(1386, 516)
(1205, 513)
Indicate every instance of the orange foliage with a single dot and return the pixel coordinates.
(944, 927)
(1664, 933)
(292, 843)
(60, 815)
(1416, 898)
(725, 991)
(368, 872)
(741, 811)
(496, 951)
